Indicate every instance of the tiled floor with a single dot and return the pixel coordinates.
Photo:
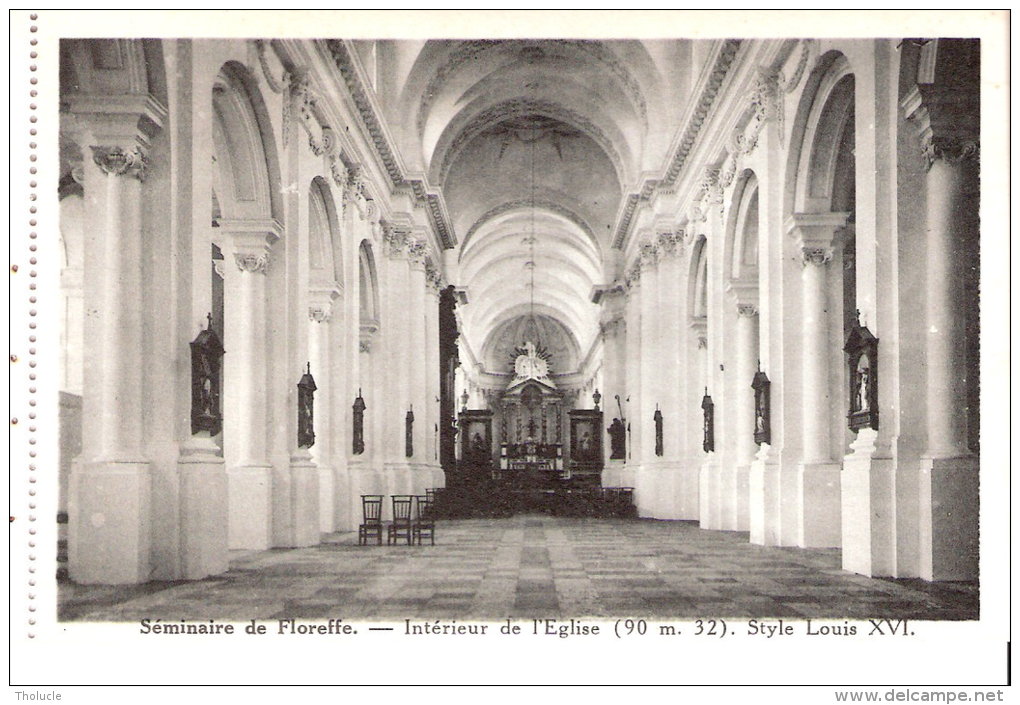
(532, 566)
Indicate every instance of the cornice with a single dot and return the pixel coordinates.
(702, 108)
(348, 65)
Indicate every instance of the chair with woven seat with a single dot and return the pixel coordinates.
(400, 526)
(424, 520)
(371, 522)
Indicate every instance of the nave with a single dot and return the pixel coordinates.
(532, 566)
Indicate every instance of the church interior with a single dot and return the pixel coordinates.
(673, 327)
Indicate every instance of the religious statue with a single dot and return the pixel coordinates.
(206, 352)
(306, 401)
(358, 437)
(863, 380)
(617, 440)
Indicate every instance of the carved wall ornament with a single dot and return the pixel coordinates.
(118, 161)
(807, 48)
(816, 255)
(217, 265)
(612, 327)
(365, 345)
(712, 187)
(252, 262)
(275, 85)
(395, 239)
(697, 215)
(702, 343)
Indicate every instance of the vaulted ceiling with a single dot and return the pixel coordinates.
(534, 144)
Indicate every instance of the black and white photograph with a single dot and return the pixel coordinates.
(657, 335)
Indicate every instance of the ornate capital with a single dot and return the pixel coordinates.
(766, 98)
(416, 251)
(118, 161)
(947, 122)
(632, 277)
(712, 186)
(252, 262)
(433, 277)
(816, 255)
(319, 314)
(702, 342)
(951, 150)
(671, 244)
(747, 310)
(649, 253)
(395, 239)
(365, 345)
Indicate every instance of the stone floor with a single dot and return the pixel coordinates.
(532, 566)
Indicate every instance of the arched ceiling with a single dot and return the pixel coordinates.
(534, 138)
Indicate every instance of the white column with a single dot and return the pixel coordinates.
(417, 387)
(109, 507)
(613, 328)
(249, 474)
(647, 492)
(320, 310)
(949, 490)
(697, 349)
(743, 404)
(819, 493)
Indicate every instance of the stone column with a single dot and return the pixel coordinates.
(417, 372)
(613, 328)
(671, 359)
(320, 310)
(647, 492)
(249, 474)
(747, 356)
(946, 121)
(631, 394)
(110, 488)
(818, 484)
(697, 362)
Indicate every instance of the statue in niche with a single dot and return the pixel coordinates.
(358, 437)
(206, 352)
(306, 401)
(862, 373)
(617, 440)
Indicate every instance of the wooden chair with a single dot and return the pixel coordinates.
(400, 527)
(371, 523)
(424, 520)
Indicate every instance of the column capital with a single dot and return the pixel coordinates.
(648, 251)
(816, 255)
(745, 296)
(711, 186)
(251, 241)
(670, 243)
(946, 120)
(118, 161)
(815, 231)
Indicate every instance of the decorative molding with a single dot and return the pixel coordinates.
(345, 63)
(251, 262)
(807, 48)
(117, 161)
(276, 86)
(713, 83)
